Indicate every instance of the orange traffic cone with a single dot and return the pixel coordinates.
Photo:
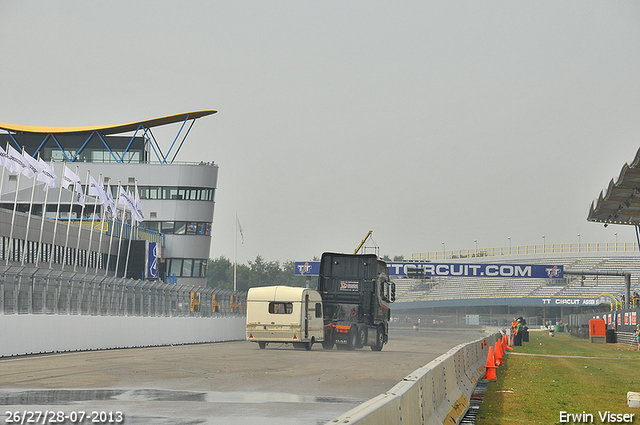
(491, 366)
(498, 353)
(505, 341)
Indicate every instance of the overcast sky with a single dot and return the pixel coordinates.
(426, 122)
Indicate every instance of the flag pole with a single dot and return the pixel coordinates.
(1, 184)
(55, 225)
(26, 231)
(102, 219)
(44, 217)
(77, 256)
(113, 229)
(13, 216)
(124, 215)
(126, 263)
(66, 241)
(235, 255)
(93, 223)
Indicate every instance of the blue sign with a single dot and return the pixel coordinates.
(396, 269)
(536, 271)
(152, 261)
(307, 268)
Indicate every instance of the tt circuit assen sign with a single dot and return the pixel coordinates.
(399, 269)
(536, 271)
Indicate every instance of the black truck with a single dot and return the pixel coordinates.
(356, 294)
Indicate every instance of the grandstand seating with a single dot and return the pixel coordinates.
(448, 288)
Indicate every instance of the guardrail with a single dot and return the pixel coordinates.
(437, 393)
(44, 310)
(46, 291)
(526, 250)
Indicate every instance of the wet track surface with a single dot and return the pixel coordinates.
(218, 383)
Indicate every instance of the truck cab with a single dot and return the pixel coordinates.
(356, 292)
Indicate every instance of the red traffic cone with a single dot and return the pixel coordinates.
(505, 342)
(491, 366)
(498, 353)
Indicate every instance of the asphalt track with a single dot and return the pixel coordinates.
(218, 383)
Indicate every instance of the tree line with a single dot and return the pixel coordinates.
(259, 273)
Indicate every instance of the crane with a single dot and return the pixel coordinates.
(363, 242)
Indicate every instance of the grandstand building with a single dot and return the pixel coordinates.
(496, 300)
(177, 198)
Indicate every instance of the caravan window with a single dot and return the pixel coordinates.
(280, 308)
(318, 310)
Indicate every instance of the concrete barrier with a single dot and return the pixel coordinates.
(43, 333)
(437, 393)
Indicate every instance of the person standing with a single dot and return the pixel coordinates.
(638, 337)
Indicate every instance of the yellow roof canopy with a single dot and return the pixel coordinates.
(107, 129)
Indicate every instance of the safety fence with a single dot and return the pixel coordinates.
(46, 291)
(561, 248)
(31, 252)
(438, 393)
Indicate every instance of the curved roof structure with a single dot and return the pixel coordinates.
(620, 202)
(107, 129)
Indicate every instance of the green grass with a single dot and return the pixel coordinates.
(535, 389)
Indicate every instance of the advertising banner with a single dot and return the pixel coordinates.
(307, 268)
(152, 261)
(399, 269)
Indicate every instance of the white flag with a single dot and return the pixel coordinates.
(96, 190)
(69, 177)
(125, 199)
(4, 159)
(112, 204)
(79, 194)
(138, 204)
(240, 229)
(47, 175)
(16, 161)
(33, 167)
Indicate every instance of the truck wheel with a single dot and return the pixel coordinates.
(327, 344)
(262, 345)
(353, 339)
(362, 337)
(379, 340)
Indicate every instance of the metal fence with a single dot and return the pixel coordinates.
(46, 291)
(561, 248)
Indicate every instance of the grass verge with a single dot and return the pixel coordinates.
(539, 380)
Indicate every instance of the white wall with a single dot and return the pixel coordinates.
(38, 333)
(438, 393)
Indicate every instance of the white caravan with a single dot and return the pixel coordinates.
(284, 314)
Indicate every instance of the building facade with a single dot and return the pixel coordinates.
(177, 198)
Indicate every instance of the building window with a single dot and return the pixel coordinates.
(175, 266)
(187, 267)
(178, 227)
(176, 193)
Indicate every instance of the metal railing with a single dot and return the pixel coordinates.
(45, 291)
(114, 226)
(563, 248)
